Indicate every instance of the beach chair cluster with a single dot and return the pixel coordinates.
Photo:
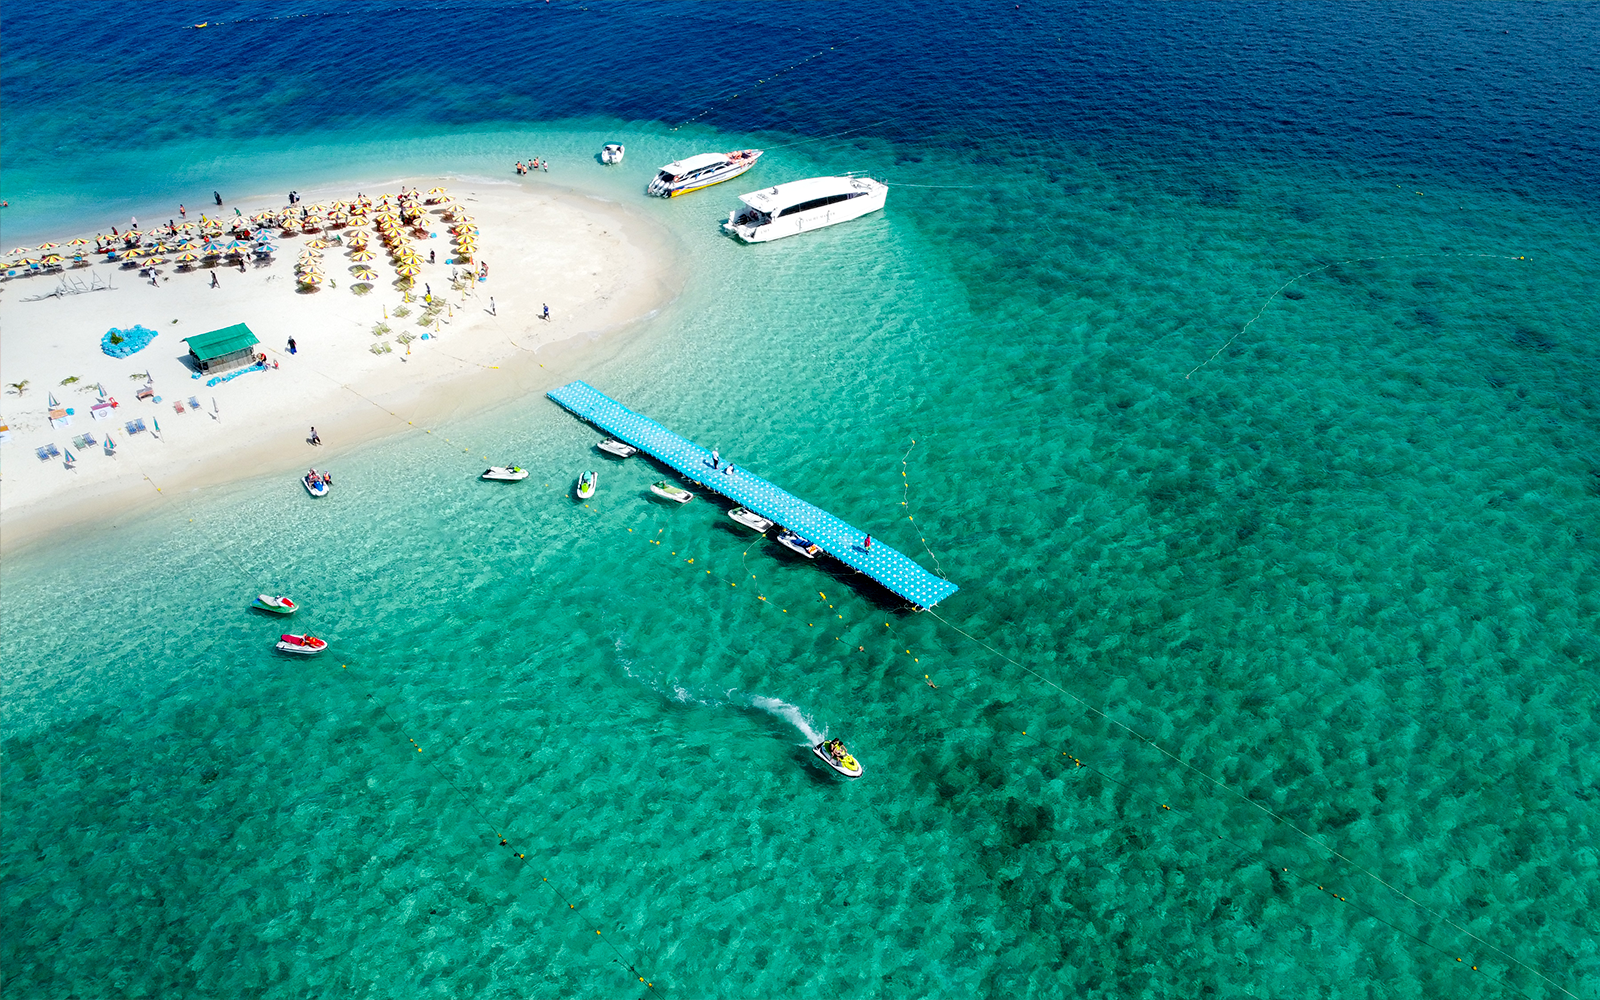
(47, 452)
(84, 441)
(135, 426)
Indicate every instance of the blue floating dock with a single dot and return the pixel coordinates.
(890, 567)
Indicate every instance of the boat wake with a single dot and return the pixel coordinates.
(790, 714)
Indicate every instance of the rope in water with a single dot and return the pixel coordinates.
(717, 103)
(1323, 267)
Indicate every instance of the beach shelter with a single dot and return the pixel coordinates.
(220, 350)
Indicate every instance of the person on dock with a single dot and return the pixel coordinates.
(714, 458)
(866, 544)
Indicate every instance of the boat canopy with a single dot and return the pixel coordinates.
(773, 200)
(689, 164)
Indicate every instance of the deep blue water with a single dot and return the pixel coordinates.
(1346, 568)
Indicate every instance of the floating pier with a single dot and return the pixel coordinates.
(890, 567)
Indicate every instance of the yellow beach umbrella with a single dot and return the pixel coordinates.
(152, 260)
(311, 278)
(362, 255)
(317, 244)
(77, 242)
(135, 252)
(436, 191)
(188, 258)
(408, 270)
(55, 258)
(363, 272)
(21, 250)
(48, 246)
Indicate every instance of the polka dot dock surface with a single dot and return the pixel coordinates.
(844, 542)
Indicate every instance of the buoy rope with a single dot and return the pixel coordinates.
(717, 102)
(905, 501)
(1323, 267)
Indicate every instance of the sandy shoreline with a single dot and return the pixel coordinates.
(600, 267)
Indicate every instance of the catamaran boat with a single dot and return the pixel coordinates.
(611, 153)
(505, 473)
(667, 491)
(795, 543)
(750, 519)
(302, 645)
(801, 206)
(279, 605)
(701, 170)
(837, 757)
(316, 483)
(586, 485)
(611, 446)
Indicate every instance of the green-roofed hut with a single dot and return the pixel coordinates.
(223, 349)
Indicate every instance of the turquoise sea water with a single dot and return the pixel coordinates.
(1283, 592)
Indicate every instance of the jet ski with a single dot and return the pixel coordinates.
(833, 753)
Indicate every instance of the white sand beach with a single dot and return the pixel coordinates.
(599, 266)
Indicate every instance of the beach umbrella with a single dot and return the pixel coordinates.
(408, 270)
(48, 246)
(364, 273)
(51, 259)
(156, 260)
(311, 278)
(77, 242)
(210, 251)
(237, 245)
(29, 261)
(436, 191)
(133, 252)
(21, 250)
(310, 221)
(188, 258)
(318, 244)
(362, 255)
(266, 248)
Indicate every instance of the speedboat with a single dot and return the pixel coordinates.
(302, 645)
(801, 206)
(701, 170)
(611, 152)
(586, 485)
(795, 543)
(277, 605)
(837, 757)
(621, 449)
(667, 491)
(750, 519)
(505, 473)
(316, 483)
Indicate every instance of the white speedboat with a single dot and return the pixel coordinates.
(505, 473)
(667, 491)
(586, 485)
(837, 757)
(317, 483)
(795, 543)
(621, 449)
(302, 645)
(750, 519)
(701, 170)
(801, 206)
(611, 152)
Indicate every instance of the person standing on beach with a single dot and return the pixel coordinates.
(214, 282)
(315, 437)
(546, 314)
(291, 345)
(430, 256)
(492, 311)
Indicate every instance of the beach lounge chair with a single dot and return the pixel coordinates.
(52, 450)
(178, 406)
(194, 402)
(43, 453)
(146, 393)
(138, 425)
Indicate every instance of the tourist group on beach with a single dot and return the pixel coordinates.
(533, 165)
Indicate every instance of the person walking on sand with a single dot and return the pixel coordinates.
(183, 213)
(430, 256)
(291, 345)
(315, 437)
(546, 311)
(491, 307)
(214, 282)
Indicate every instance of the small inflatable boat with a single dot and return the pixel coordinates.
(833, 753)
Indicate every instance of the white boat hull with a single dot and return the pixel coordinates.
(794, 543)
(317, 489)
(683, 185)
(297, 645)
(504, 474)
(612, 153)
(765, 227)
(587, 483)
(621, 449)
(750, 519)
(671, 493)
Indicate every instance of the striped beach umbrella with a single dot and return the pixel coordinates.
(363, 272)
(408, 270)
